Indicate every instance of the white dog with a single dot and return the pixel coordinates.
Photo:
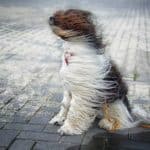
(91, 81)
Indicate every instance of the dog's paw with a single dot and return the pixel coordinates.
(105, 124)
(57, 120)
(68, 130)
(110, 125)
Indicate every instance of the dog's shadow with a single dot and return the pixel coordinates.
(131, 139)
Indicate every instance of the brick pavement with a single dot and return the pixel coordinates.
(30, 89)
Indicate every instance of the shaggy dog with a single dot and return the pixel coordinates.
(92, 83)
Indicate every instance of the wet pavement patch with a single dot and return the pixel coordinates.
(113, 141)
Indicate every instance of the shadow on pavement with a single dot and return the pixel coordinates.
(113, 141)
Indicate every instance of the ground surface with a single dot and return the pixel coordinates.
(30, 89)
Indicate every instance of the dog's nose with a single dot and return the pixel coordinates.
(51, 20)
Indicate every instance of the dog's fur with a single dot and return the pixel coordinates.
(92, 83)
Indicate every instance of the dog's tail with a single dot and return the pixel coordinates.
(141, 116)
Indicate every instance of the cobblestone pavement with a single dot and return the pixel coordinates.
(30, 89)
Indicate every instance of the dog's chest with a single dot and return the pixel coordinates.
(81, 71)
(80, 66)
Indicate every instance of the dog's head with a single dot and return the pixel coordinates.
(72, 23)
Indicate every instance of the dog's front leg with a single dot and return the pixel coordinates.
(79, 119)
(61, 116)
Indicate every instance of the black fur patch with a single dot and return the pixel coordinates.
(119, 89)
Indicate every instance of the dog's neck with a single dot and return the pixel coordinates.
(79, 48)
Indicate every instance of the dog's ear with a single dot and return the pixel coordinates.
(86, 13)
(79, 12)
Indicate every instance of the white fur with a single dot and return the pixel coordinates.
(83, 78)
(61, 116)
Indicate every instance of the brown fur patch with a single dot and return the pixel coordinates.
(113, 120)
(76, 20)
(63, 33)
(145, 125)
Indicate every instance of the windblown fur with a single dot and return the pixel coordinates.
(92, 83)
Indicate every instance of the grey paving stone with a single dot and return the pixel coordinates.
(7, 136)
(54, 146)
(5, 98)
(49, 109)
(22, 145)
(2, 148)
(2, 90)
(19, 119)
(76, 139)
(24, 127)
(39, 136)
(41, 117)
(2, 124)
(17, 104)
(6, 118)
(25, 114)
(3, 84)
(29, 109)
(7, 112)
(51, 128)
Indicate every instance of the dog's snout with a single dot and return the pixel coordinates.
(51, 20)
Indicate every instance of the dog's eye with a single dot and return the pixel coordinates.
(51, 20)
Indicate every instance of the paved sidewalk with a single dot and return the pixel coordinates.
(30, 88)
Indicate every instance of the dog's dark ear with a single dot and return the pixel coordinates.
(77, 11)
(86, 13)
